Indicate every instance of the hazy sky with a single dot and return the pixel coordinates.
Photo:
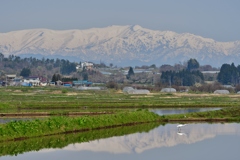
(217, 19)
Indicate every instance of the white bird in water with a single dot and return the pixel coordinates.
(180, 126)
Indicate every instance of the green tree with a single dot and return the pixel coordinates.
(111, 65)
(67, 67)
(85, 76)
(192, 64)
(112, 84)
(25, 72)
(56, 77)
(224, 76)
(1, 57)
(130, 73)
(183, 77)
(153, 66)
(229, 74)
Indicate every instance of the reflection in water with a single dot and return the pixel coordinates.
(180, 133)
(161, 137)
(62, 140)
(164, 142)
(164, 111)
(180, 129)
(7, 120)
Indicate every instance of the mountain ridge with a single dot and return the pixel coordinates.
(120, 45)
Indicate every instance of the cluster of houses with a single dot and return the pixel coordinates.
(13, 80)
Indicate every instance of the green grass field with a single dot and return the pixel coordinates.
(120, 110)
(55, 101)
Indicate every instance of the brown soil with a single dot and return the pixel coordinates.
(199, 120)
(17, 91)
(56, 92)
(72, 94)
(44, 114)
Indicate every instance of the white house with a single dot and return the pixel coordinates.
(78, 67)
(10, 77)
(87, 65)
(35, 81)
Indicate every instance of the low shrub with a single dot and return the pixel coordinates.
(64, 91)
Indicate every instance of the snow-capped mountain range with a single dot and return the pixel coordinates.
(120, 45)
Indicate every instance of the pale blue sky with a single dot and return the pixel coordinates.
(217, 19)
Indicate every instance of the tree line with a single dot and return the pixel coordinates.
(185, 77)
(229, 74)
(48, 68)
(186, 74)
(27, 66)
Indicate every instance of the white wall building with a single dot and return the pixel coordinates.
(88, 65)
(35, 81)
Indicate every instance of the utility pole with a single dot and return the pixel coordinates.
(170, 83)
(6, 81)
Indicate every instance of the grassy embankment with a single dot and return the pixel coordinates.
(53, 101)
(231, 114)
(62, 140)
(56, 125)
(18, 130)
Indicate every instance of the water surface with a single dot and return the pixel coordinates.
(159, 111)
(168, 111)
(195, 141)
(6, 120)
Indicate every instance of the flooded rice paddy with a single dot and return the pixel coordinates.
(161, 111)
(150, 141)
(194, 141)
(168, 111)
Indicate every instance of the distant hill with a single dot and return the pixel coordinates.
(120, 45)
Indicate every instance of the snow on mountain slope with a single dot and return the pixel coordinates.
(119, 44)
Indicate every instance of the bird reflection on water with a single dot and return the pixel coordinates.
(181, 133)
(179, 129)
